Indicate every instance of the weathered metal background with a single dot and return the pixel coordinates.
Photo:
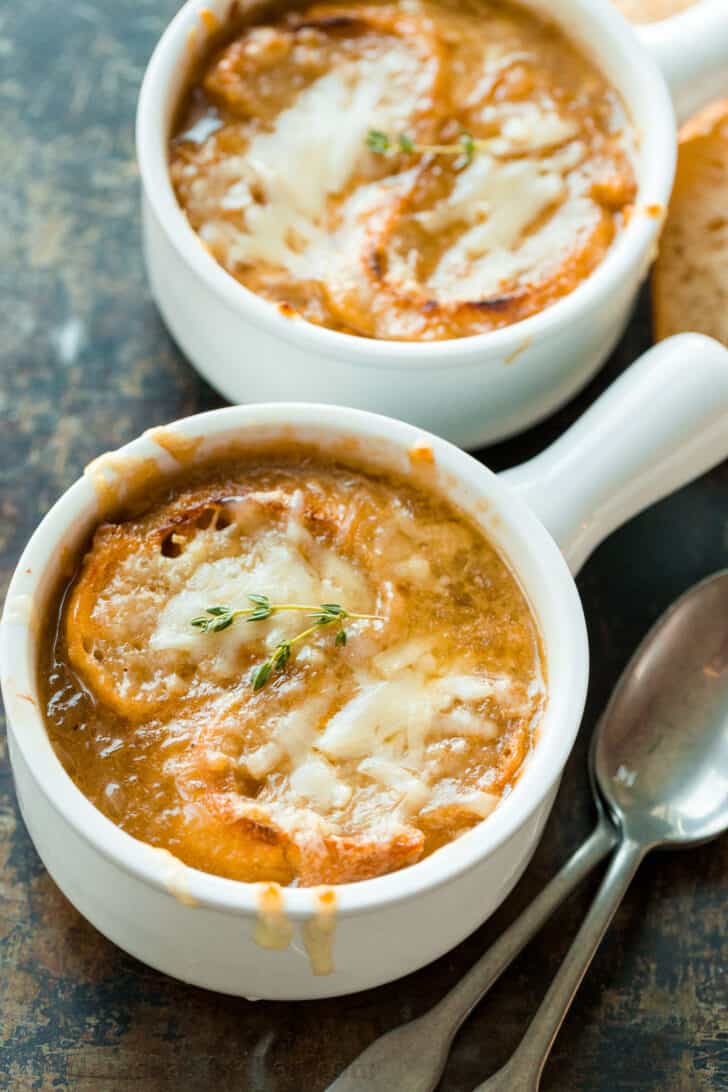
(87, 366)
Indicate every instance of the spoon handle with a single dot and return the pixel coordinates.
(411, 1057)
(459, 1002)
(523, 1070)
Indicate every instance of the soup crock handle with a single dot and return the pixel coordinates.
(691, 50)
(661, 424)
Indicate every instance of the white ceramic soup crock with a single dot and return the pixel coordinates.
(472, 390)
(663, 422)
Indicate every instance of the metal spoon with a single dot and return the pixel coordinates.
(661, 762)
(660, 754)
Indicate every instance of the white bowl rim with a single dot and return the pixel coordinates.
(636, 238)
(556, 590)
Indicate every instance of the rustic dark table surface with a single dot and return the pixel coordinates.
(87, 365)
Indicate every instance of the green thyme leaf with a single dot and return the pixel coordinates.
(259, 615)
(377, 142)
(216, 625)
(468, 146)
(406, 143)
(260, 675)
(263, 608)
(340, 638)
(216, 619)
(282, 655)
(324, 618)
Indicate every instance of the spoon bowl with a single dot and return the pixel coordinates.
(661, 754)
(659, 762)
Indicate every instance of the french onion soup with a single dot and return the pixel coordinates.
(290, 668)
(416, 170)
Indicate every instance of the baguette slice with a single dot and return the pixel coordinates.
(690, 278)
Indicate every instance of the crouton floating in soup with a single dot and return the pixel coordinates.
(288, 668)
(416, 170)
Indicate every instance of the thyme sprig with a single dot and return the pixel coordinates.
(218, 618)
(465, 147)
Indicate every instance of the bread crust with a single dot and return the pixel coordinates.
(690, 278)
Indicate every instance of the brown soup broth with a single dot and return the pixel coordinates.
(353, 759)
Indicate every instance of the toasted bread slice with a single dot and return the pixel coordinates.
(136, 571)
(128, 575)
(237, 838)
(650, 11)
(690, 279)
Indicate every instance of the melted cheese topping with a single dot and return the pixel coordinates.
(353, 760)
(312, 151)
(272, 168)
